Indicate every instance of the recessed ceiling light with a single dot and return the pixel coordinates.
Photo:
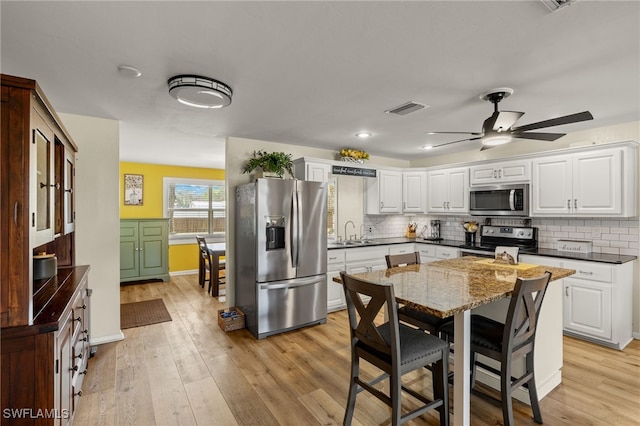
(200, 92)
(427, 147)
(129, 71)
(364, 135)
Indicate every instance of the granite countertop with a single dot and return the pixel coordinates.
(589, 257)
(447, 287)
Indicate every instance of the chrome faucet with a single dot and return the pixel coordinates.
(362, 231)
(345, 228)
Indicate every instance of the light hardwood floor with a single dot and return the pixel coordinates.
(189, 371)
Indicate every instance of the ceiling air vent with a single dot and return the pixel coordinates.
(405, 109)
(554, 5)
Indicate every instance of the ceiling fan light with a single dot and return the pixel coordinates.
(200, 92)
(495, 140)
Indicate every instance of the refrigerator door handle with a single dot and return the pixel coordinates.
(297, 282)
(295, 223)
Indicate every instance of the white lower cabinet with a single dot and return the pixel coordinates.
(427, 252)
(597, 299)
(335, 292)
(402, 248)
(598, 302)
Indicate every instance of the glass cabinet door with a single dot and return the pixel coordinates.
(69, 187)
(42, 215)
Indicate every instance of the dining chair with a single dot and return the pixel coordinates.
(204, 265)
(217, 279)
(394, 348)
(510, 341)
(420, 319)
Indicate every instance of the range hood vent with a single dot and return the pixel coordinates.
(406, 108)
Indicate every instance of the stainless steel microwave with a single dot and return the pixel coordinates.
(499, 200)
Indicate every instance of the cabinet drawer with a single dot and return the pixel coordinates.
(446, 252)
(590, 271)
(367, 253)
(426, 250)
(335, 256)
(401, 249)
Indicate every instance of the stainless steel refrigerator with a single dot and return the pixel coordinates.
(281, 254)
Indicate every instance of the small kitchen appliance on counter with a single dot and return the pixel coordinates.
(435, 231)
(525, 238)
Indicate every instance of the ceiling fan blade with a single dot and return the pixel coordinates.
(538, 136)
(567, 119)
(461, 140)
(454, 133)
(506, 119)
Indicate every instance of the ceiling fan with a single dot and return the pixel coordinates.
(498, 129)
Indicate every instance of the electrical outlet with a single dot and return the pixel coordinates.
(371, 229)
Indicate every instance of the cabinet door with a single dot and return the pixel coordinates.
(335, 292)
(129, 259)
(390, 191)
(414, 192)
(64, 355)
(587, 308)
(483, 174)
(42, 154)
(458, 201)
(514, 171)
(552, 186)
(317, 172)
(153, 250)
(69, 212)
(437, 184)
(597, 183)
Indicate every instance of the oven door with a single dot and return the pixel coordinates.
(499, 200)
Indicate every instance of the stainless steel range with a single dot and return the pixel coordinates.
(491, 236)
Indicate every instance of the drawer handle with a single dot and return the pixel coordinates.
(79, 393)
(84, 339)
(79, 319)
(79, 355)
(86, 370)
(74, 368)
(586, 272)
(332, 258)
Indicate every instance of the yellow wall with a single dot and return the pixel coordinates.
(182, 257)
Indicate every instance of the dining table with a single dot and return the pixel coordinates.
(452, 288)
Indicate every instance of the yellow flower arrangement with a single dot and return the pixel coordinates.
(354, 153)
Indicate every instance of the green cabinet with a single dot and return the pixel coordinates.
(144, 249)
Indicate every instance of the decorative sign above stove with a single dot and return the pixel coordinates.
(353, 171)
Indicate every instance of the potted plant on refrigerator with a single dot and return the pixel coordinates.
(269, 164)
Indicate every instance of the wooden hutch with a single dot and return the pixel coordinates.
(45, 322)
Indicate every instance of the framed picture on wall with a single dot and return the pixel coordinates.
(133, 186)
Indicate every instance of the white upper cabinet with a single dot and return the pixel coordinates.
(587, 183)
(414, 192)
(448, 191)
(384, 193)
(501, 172)
(309, 170)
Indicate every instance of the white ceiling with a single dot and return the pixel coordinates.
(315, 73)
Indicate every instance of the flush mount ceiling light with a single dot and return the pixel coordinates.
(200, 92)
(495, 139)
(364, 135)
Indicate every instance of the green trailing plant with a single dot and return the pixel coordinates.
(273, 162)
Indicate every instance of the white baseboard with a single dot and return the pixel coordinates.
(521, 394)
(107, 339)
(636, 335)
(185, 272)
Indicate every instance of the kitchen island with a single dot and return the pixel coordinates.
(455, 287)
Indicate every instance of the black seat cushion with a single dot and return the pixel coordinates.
(414, 344)
(424, 317)
(485, 332)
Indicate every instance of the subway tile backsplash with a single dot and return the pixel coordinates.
(612, 236)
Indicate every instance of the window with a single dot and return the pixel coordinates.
(194, 207)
